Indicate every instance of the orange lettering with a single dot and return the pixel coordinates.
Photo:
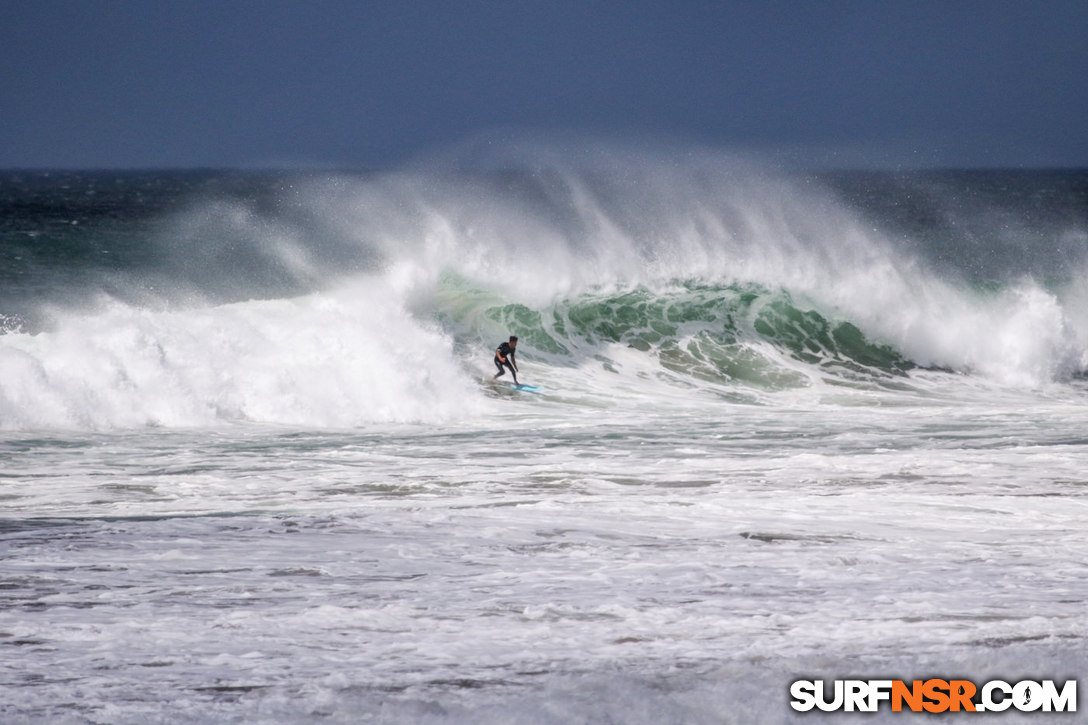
(912, 695)
(961, 693)
(935, 690)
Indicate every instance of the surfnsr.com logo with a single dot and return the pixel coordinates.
(933, 695)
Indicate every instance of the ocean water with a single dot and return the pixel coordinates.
(253, 467)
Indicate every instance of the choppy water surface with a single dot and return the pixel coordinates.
(677, 568)
(772, 443)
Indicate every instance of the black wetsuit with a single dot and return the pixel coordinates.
(507, 352)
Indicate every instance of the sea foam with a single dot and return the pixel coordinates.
(342, 300)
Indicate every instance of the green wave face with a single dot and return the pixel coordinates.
(732, 334)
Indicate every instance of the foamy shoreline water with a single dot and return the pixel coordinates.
(251, 468)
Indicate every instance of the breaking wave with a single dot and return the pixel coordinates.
(376, 298)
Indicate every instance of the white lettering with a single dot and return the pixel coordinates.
(1065, 701)
(804, 695)
(994, 696)
(1027, 696)
(821, 698)
(988, 696)
(878, 690)
(856, 695)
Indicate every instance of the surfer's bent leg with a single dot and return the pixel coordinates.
(498, 364)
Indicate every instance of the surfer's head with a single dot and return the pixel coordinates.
(513, 341)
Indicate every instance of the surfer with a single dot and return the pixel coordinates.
(504, 358)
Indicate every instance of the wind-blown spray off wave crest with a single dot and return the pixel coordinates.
(376, 297)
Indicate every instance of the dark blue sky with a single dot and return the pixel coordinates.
(148, 83)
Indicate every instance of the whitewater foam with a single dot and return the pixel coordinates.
(342, 358)
(351, 299)
(278, 487)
